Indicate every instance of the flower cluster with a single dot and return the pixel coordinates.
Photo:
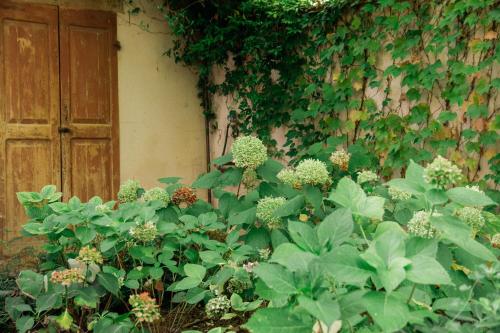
(157, 194)
(495, 240)
(67, 277)
(146, 232)
(144, 307)
(248, 152)
(249, 266)
(249, 178)
(474, 188)
(266, 208)
(90, 255)
(341, 159)
(129, 191)
(471, 216)
(102, 209)
(289, 176)
(420, 225)
(217, 306)
(264, 254)
(441, 172)
(237, 286)
(397, 194)
(366, 176)
(312, 172)
(184, 197)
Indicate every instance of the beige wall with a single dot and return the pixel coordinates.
(162, 129)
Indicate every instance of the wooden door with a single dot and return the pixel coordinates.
(89, 116)
(29, 109)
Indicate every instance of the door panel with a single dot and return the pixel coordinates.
(29, 109)
(89, 98)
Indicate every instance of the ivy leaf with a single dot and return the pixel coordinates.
(278, 320)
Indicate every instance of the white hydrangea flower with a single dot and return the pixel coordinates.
(266, 208)
(157, 194)
(420, 225)
(397, 194)
(248, 152)
(313, 172)
(471, 216)
(217, 306)
(474, 188)
(289, 176)
(128, 191)
(366, 176)
(340, 158)
(146, 232)
(441, 172)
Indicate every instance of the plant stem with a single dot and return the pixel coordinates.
(411, 293)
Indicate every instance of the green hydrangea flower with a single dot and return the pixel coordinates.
(340, 158)
(157, 194)
(90, 255)
(129, 191)
(442, 173)
(495, 240)
(146, 232)
(471, 216)
(312, 172)
(366, 176)
(420, 225)
(217, 307)
(238, 286)
(289, 176)
(397, 194)
(248, 152)
(266, 208)
(250, 179)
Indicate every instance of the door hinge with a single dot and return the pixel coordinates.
(64, 130)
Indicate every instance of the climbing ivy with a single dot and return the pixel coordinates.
(392, 80)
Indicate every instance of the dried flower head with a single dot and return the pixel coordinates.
(250, 179)
(157, 194)
(184, 197)
(144, 307)
(471, 216)
(366, 176)
(129, 191)
(442, 173)
(397, 194)
(266, 208)
(289, 176)
(248, 152)
(67, 277)
(341, 159)
(420, 225)
(312, 172)
(217, 306)
(495, 240)
(146, 232)
(90, 255)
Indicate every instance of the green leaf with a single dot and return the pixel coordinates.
(208, 180)
(224, 159)
(344, 264)
(85, 234)
(269, 170)
(276, 320)
(195, 271)
(291, 207)
(48, 301)
(349, 194)
(336, 227)
(427, 270)
(65, 320)
(169, 180)
(292, 257)
(24, 324)
(30, 283)
(109, 282)
(324, 309)
(468, 197)
(244, 217)
(388, 312)
(277, 278)
(304, 236)
(186, 283)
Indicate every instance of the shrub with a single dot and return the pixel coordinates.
(407, 255)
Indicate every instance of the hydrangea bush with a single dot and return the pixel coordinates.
(307, 248)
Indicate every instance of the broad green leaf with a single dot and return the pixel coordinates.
(278, 320)
(325, 309)
(344, 264)
(350, 195)
(186, 283)
(304, 236)
(336, 227)
(208, 180)
(469, 197)
(195, 271)
(64, 320)
(276, 277)
(427, 270)
(269, 170)
(109, 282)
(24, 324)
(291, 207)
(244, 217)
(85, 234)
(388, 312)
(48, 301)
(292, 257)
(30, 283)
